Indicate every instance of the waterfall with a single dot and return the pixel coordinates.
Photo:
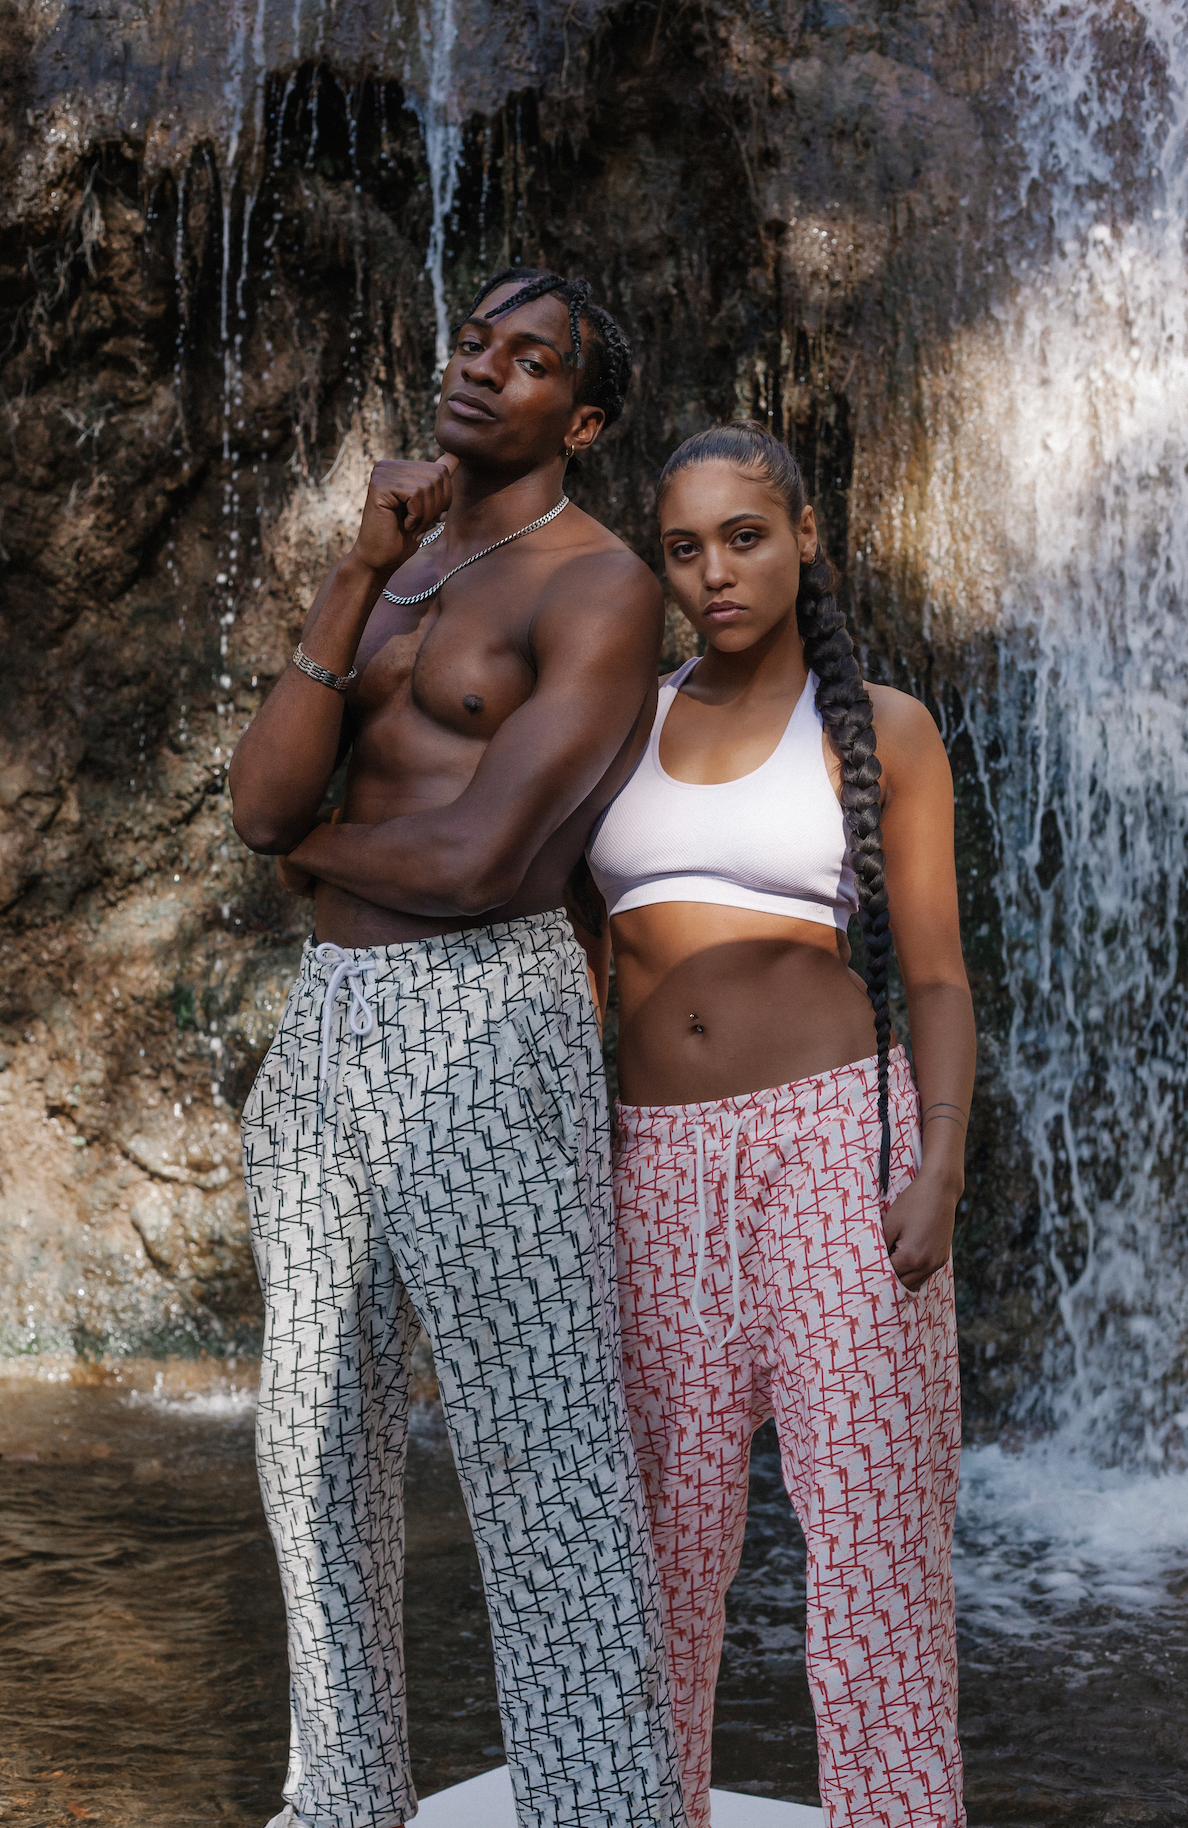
(1077, 440)
(437, 111)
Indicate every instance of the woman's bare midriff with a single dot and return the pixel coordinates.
(716, 1001)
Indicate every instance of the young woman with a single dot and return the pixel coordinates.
(786, 1184)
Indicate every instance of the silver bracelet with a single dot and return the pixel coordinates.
(337, 681)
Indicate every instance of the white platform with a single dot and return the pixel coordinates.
(486, 1802)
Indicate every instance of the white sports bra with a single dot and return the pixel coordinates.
(773, 840)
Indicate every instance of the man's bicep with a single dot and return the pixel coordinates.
(556, 748)
(590, 690)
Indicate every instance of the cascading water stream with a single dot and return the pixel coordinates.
(436, 112)
(1082, 435)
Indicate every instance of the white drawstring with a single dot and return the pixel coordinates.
(348, 969)
(731, 1230)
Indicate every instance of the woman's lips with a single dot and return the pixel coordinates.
(724, 612)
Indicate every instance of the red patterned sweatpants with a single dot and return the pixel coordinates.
(861, 1377)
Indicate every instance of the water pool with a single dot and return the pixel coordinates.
(142, 1671)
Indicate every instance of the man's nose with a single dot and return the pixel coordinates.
(483, 370)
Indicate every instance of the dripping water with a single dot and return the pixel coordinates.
(443, 150)
(521, 185)
(483, 196)
(315, 90)
(355, 97)
(183, 307)
(282, 110)
(385, 147)
(241, 173)
(354, 103)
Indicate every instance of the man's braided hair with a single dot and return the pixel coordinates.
(606, 379)
(844, 705)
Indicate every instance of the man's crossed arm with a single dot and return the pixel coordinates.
(596, 667)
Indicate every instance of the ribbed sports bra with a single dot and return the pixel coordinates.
(774, 840)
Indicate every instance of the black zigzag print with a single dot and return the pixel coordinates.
(451, 1168)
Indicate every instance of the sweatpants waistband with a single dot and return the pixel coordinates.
(710, 1140)
(520, 946)
(480, 976)
(851, 1090)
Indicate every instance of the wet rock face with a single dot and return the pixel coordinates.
(219, 313)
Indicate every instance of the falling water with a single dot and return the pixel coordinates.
(1084, 740)
(183, 309)
(243, 88)
(443, 148)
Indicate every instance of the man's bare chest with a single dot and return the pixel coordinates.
(462, 668)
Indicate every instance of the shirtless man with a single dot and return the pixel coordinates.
(427, 1139)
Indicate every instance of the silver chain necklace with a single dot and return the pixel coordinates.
(423, 596)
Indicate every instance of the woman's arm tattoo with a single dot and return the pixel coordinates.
(943, 1108)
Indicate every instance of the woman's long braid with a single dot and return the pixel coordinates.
(844, 706)
(848, 717)
(607, 385)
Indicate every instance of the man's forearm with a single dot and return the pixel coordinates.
(418, 864)
(281, 768)
(332, 639)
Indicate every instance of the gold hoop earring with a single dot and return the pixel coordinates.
(568, 451)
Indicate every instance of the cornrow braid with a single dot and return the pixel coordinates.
(608, 377)
(845, 710)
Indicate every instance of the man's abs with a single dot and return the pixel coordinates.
(345, 919)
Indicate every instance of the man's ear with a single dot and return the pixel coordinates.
(584, 427)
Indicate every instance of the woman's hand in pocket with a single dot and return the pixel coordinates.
(918, 1228)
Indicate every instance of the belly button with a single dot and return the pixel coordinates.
(697, 1028)
(472, 702)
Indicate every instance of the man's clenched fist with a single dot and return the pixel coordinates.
(404, 500)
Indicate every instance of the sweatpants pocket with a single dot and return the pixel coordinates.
(544, 1075)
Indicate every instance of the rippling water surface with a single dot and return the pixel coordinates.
(142, 1676)
(142, 1667)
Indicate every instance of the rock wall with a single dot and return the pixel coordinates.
(219, 311)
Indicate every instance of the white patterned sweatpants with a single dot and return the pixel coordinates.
(453, 1170)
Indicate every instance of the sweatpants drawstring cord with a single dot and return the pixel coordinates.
(348, 969)
(731, 1232)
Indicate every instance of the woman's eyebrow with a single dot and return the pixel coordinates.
(689, 534)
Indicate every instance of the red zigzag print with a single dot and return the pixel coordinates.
(862, 1379)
